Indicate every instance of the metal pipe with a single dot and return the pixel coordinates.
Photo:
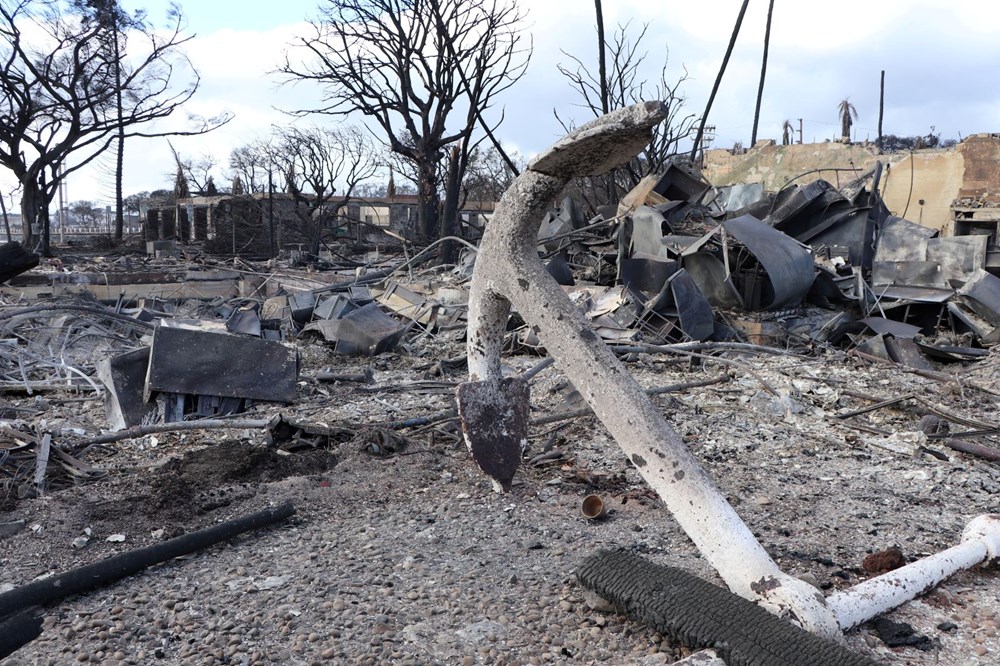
(510, 273)
(980, 542)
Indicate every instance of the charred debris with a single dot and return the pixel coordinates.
(165, 339)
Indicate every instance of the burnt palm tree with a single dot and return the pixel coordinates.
(718, 79)
(763, 71)
(787, 132)
(848, 114)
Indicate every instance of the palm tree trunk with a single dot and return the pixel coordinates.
(763, 71)
(718, 79)
(881, 108)
(119, 219)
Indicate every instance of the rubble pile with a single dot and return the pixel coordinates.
(807, 265)
(111, 358)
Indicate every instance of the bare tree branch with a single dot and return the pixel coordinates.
(402, 64)
(59, 94)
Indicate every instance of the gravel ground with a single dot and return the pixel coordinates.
(411, 558)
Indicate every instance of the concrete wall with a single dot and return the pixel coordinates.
(970, 170)
(937, 177)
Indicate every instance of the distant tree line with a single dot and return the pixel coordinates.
(891, 143)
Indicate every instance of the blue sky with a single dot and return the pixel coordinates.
(940, 58)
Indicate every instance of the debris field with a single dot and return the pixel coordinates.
(828, 364)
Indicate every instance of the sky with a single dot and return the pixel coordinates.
(939, 58)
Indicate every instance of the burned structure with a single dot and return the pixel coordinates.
(261, 224)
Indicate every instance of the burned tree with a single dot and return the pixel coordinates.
(115, 23)
(323, 166)
(405, 64)
(321, 169)
(619, 84)
(196, 171)
(59, 92)
(488, 176)
(787, 133)
(848, 114)
(251, 165)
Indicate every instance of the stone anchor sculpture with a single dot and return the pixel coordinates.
(494, 409)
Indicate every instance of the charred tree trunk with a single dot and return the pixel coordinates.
(763, 71)
(427, 201)
(449, 219)
(718, 80)
(119, 214)
(15, 260)
(29, 211)
(43, 214)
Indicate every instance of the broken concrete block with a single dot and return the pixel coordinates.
(123, 377)
(275, 307)
(220, 364)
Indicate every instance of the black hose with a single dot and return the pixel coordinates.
(688, 609)
(18, 631)
(92, 576)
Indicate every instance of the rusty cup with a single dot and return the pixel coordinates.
(593, 507)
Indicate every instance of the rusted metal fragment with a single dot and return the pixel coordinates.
(219, 364)
(494, 415)
(123, 377)
(293, 435)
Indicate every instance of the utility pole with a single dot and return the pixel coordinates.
(800, 130)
